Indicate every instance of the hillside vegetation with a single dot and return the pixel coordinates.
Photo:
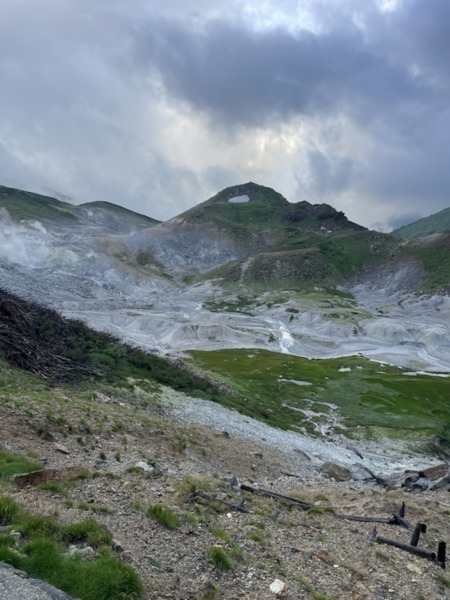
(38, 339)
(28, 205)
(250, 234)
(22, 205)
(436, 223)
(432, 253)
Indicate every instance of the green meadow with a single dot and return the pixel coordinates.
(369, 397)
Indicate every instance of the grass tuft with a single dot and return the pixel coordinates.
(163, 515)
(41, 551)
(220, 558)
(11, 464)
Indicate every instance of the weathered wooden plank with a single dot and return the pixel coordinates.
(407, 548)
(269, 494)
(363, 519)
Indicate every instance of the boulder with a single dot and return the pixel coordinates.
(435, 472)
(361, 473)
(337, 472)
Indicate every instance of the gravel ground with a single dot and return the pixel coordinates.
(383, 457)
(16, 585)
(308, 550)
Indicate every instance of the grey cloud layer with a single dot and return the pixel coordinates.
(86, 85)
(247, 77)
(390, 77)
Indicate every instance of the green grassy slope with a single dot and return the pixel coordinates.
(436, 223)
(265, 210)
(27, 205)
(23, 205)
(370, 398)
(290, 245)
(37, 339)
(433, 253)
(352, 395)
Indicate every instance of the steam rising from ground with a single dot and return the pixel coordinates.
(25, 245)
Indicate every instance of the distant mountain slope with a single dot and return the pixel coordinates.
(432, 253)
(436, 223)
(246, 234)
(23, 205)
(28, 205)
(113, 216)
(261, 208)
(251, 234)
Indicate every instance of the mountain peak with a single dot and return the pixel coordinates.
(247, 192)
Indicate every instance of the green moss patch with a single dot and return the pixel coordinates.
(365, 393)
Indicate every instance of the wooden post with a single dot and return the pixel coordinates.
(441, 554)
(418, 529)
(399, 517)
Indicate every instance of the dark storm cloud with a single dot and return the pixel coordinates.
(247, 77)
(420, 33)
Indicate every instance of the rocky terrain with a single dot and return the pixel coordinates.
(90, 271)
(141, 281)
(158, 455)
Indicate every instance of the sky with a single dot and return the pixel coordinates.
(157, 106)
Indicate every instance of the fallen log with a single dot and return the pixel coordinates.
(396, 519)
(269, 494)
(427, 554)
(363, 519)
(399, 517)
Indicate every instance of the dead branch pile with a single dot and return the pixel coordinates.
(38, 339)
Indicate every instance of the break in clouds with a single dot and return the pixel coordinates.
(156, 109)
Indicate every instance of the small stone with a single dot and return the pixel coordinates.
(144, 466)
(302, 454)
(87, 552)
(414, 568)
(355, 450)
(61, 448)
(278, 587)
